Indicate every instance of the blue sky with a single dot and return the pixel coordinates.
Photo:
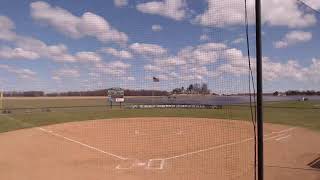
(62, 45)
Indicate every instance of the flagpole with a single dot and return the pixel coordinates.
(1, 100)
(154, 80)
(152, 92)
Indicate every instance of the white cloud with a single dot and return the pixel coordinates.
(6, 24)
(114, 71)
(190, 63)
(188, 57)
(65, 73)
(152, 68)
(89, 24)
(118, 65)
(31, 48)
(17, 53)
(174, 9)
(58, 52)
(202, 54)
(273, 70)
(293, 37)
(212, 60)
(120, 3)
(315, 4)
(170, 61)
(21, 73)
(238, 40)
(114, 68)
(272, 14)
(313, 72)
(156, 28)
(94, 75)
(122, 54)
(292, 70)
(276, 70)
(295, 17)
(204, 37)
(148, 49)
(212, 46)
(216, 15)
(86, 56)
(130, 78)
(6, 29)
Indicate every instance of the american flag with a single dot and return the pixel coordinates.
(156, 79)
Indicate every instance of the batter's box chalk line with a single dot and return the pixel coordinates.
(151, 164)
(139, 133)
(155, 164)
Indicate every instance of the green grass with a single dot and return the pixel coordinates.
(38, 103)
(294, 104)
(298, 113)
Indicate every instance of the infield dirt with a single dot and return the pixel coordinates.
(155, 148)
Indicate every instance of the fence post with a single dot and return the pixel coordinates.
(259, 91)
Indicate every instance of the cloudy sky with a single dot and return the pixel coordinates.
(61, 45)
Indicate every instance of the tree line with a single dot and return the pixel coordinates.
(100, 92)
(195, 88)
(24, 94)
(297, 93)
(191, 89)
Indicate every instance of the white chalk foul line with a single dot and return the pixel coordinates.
(230, 144)
(285, 130)
(173, 157)
(285, 137)
(82, 144)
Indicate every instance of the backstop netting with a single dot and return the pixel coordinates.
(293, 99)
(156, 89)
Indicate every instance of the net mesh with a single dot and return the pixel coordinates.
(179, 115)
(297, 111)
(147, 90)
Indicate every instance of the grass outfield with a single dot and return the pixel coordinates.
(303, 114)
